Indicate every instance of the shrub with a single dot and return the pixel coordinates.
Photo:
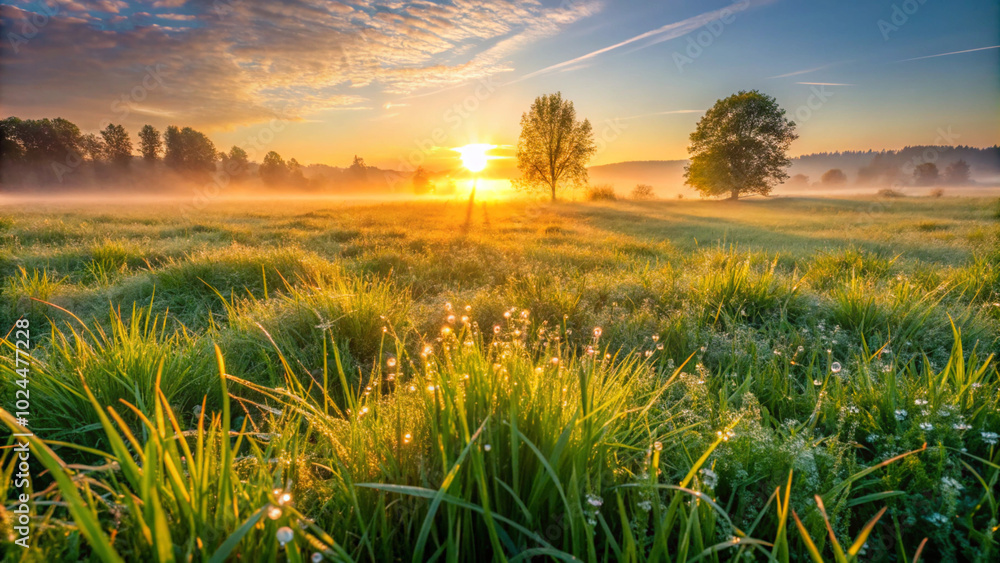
(889, 192)
(643, 192)
(601, 192)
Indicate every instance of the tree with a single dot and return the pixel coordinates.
(358, 171)
(553, 149)
(11, 147)
(236, 163)
(117, 145)
(187, 149)
(295, 174)
(833, 177)
(93, 147)
(150, 143)
(740, 146)
(273, 170)
(925, 174)
(957, 172)
(46, 141)
(420, 181)
(643, 192)
(798, 181)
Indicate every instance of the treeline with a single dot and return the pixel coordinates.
(916, 166)
(54, 153)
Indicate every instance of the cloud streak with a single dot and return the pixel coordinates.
(951, 53)
(659, 35)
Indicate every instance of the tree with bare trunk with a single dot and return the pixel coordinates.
(740, 147)
(553, 149)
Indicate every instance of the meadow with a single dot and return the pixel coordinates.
(785, 379)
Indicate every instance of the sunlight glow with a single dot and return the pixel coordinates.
(474, 156)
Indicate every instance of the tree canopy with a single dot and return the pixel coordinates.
(187, 149)
(117, 144)
(150, 143)
(553, 149)
(740, 146)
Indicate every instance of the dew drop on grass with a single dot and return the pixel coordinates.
(391, 362)
(274, 512)
(835, 367)
(285, 535)
(316, 557)
(658, 446)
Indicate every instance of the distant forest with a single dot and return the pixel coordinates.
(54, 155)
(917, 165)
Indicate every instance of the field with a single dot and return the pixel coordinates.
(783, 379)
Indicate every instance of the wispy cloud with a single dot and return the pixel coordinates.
(825, 84)
(664, 33)
(951, 53)
(798, 72)
(254, 61)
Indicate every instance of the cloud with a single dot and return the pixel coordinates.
(950, 53)
(798, 72)
(659, 35)
(231, 62)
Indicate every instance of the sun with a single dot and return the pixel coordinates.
(474, 156)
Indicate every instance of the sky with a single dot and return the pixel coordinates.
(400, 83)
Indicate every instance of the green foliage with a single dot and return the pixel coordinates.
(578, 380)
(740, 146)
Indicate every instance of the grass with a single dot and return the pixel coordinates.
(779, 380)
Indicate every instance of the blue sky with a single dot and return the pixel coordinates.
(401, 82)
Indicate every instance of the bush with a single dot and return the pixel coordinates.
(601, 192)
(889, 192)
(643, 192)
(937, 192)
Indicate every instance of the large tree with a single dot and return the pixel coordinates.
(236, 163)
(273, 170)
(93, 147)
(957, 172)
(150, 143)
(926, 174)
(740, 146)
(187, 149)
(553, 149)
(117, 145)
